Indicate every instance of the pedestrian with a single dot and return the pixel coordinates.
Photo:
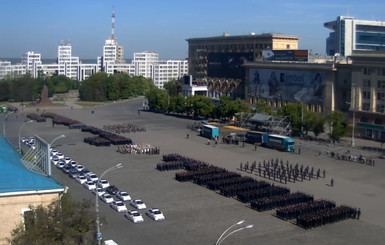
(358, 213)
(243, 144)
(299, 150)
(208, 141)
(255, 147)
(332, 182)
(188, 136)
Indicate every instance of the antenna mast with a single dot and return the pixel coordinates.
(113, 24)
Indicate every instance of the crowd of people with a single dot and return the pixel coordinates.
(347, 156)
(277, 170)
(262, 195)
(124, 128)
(138, 148)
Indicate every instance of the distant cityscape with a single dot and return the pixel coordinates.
(146, 64)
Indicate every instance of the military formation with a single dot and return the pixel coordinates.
(261, 195)
(138, 148)
(282, 172)
(124, 128)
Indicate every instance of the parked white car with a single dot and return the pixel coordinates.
(98, 191)
(103, 183)
(107, 198)
(138, 204)
(155, 214)
(124, 196)
(119, 206)
(134, 216)
(81, 179)
(90, 185)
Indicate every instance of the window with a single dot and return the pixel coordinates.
(287, 46)
(378, 121)
(381, 71)
(366, 83)
(365, 106)
(380, 108)
(366, 95)
(381, 84)
(381, 96)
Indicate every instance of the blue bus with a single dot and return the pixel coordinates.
(256, 137)
(283, 143)
(210, 131)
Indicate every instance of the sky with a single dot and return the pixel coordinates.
(164, 26)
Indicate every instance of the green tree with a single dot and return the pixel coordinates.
(294, 113)
(157, 99)
(62, 222)
(338, 125)
(261, 107)
(173, 87)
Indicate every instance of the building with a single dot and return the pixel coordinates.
(366, 100)
(68, 65)
(166, 70)
(350, 35)
(32, 60)
(192, 87)
(200, 48)
(219, 59)
(21, 188)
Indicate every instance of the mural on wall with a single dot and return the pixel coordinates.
(287, 85)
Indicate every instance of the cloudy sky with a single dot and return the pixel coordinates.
(164, 26)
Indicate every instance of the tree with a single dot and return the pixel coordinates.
(173, 87)
(338, 125)
(62, 222)
(157, 99)
(261, 107)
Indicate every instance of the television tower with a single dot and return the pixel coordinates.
(113, 24)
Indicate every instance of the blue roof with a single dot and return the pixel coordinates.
(14, 177)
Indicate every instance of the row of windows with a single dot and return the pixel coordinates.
(371, 70)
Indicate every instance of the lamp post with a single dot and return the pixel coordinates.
(220, 240)
(98, 233)
(5, 119)
(22, 126)
(59, 137)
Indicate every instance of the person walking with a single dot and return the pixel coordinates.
(332, 182)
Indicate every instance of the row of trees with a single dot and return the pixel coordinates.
(197, 106)
(102, 87)
(26, 88)
(301, 119)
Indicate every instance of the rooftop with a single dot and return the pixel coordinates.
(14, 177)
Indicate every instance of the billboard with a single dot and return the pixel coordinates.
(227, 65)
(285, 55)
(287, 85)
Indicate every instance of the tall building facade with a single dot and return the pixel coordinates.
(349, 34)
(32, 60)
(200, 48)
(69, 64)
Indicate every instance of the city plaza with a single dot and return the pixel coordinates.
(194, 214)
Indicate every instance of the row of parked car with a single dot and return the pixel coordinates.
(109, 194)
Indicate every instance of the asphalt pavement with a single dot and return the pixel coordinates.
(194, 214)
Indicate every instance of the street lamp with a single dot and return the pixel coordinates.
(353, 121)
(245, 227)
(98, 233)
(5, 119)
(20, 132)
(59, 137)
(220, 240)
